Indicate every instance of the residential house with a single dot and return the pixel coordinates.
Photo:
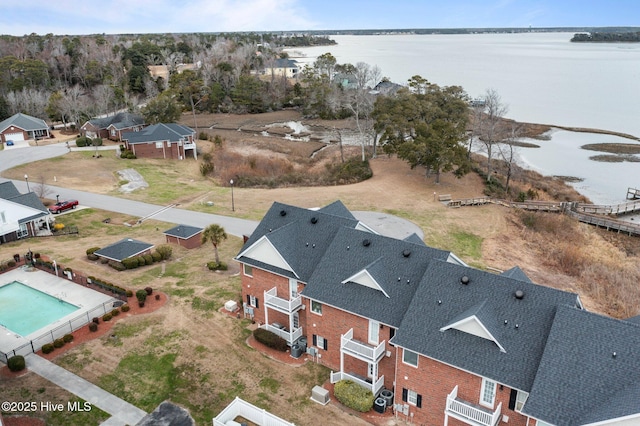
(185, 236)
(124, 249)
(161, 140)
(22, 127)
(282, 67)
(21, 215)
(113, 126)
(456, 345)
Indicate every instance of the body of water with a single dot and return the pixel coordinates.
(541, 77)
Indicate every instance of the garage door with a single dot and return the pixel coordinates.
(14, 136)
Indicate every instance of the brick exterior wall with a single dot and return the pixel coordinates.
(190, 243)
(434, 380)
(256, 285)
(7, 134)
(149, 150)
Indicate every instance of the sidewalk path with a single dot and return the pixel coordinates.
(121, 411)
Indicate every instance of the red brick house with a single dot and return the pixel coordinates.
(21, 215)
(22, 127)
(171, 140)
(456, 345)
(112, 127)
(185, 236)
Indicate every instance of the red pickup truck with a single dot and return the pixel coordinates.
(62, 206)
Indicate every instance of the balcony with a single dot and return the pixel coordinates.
(286, 306)
(375, 388)
(470, 413)
(189, 145)
(362, 351)
(289, 336)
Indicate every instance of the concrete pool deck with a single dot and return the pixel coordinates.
(90, 303)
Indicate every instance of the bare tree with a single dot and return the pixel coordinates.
(490, 125)
(508, 151)
(40, 188)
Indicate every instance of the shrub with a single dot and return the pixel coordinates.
(354, 396)
(107, 317)
(16, 363)
(270, 339)
(203, 136)
(141, 260)
(36, 255)
(141, 295)
(117, 265)
(130, 263)
(125, 308)
(67, 338)
(148, 259)
(104, 260)
(157, 257)
(58, 343)
(48, 348)
(93, 327)
(11, 263)
(148, 290)
(83, 141)
(165, 251)
(129, 293)
(92, 250)
(214, 266)
(96, 320)
(58, 227)
(96, 141)
(115, 313)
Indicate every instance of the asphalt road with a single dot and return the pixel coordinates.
(384, 224)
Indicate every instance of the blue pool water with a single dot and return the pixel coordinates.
(24, 310)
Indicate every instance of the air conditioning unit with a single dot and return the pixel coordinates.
(231, 306)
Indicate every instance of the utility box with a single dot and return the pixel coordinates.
(231, 306)
(320, 395)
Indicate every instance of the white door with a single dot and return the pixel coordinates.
(293, 288)
(374, 332)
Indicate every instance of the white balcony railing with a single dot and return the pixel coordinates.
(469, 412)
(375, 388)
(289, 336)
(286, 306)
(361, 350)
(188, 145)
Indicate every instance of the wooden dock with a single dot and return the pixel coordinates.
(609, 224)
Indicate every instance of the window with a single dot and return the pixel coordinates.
(252, 301)
(159, 145)
(412, 397)
(316, 307)
(517, 400)
(487, 393)
(320, 342)
(409, 357)
(541, 423)
(248, 270)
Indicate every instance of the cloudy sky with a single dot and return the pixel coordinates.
(20, 17)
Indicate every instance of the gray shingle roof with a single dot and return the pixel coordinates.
(121, 120)
(123, 249)
(337, 209)
(24, 122)
(159, 132)
(414, 238)
(517, 274)
(441, 297)
(389, 261)
(580, 381)
(300, 235)
(183, 231)
(8, 190)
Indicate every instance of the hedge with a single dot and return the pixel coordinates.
(354, 396)
(16, 363)
(270, 339)
(47, 348)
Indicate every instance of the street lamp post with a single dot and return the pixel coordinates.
(57, 198)
(26, 178)
(233, 206)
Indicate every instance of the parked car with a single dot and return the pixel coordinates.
(9, 143)
(62, 206)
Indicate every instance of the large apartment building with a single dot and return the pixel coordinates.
(456, 345)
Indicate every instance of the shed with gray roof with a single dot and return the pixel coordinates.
(124, 249)
(185, 236)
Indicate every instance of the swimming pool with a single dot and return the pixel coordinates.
(24, 310)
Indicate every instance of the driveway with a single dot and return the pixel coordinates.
(382, 223)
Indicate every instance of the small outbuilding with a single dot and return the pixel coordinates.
(124, 249)
(185, 236)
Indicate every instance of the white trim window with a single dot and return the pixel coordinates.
(247, 269)
(488, 393)
(374, 332)
(159, 145)
(521, 398)
(409, 357)
(316, 307)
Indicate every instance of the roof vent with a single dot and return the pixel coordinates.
(519, 294)
(406, 253)
(464, 280)
(439, 302)
(615, 354)
(314, 220)
(366, 242)
(283, 212)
